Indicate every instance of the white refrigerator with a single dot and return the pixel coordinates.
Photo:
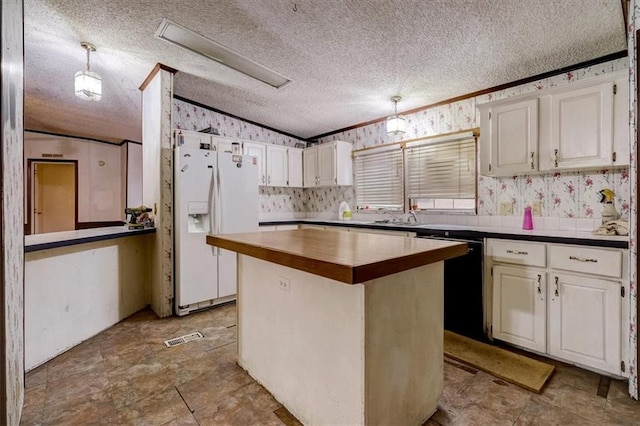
(214, 193)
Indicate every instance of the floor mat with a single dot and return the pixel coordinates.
(511, 367)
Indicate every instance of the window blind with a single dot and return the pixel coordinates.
(379, 179)
(442, 170)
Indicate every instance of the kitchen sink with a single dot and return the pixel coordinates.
(396, 222)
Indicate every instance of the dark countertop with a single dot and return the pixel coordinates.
(472, 232)
(69, 238)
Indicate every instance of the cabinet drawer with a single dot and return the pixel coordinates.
(586, 260)
(518, 253)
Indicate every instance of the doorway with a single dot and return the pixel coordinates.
(53, 198)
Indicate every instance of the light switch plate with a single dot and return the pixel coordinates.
(506, 208)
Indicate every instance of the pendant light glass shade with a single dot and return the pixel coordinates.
(88, 84)
(396, 124)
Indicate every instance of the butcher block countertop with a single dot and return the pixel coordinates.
(349, 257)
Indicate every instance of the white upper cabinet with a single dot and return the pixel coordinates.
(509, 137)
(259, 151)
(328, 164)
(295, 167)
(277, 166)
(577, 127)
(310, 157)
(581, 125)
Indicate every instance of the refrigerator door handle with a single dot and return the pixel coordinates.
(212, 205)
(219, 218)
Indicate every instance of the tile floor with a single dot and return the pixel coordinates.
(126, 375)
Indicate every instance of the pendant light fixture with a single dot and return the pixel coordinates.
(396, 123)
(88, 83)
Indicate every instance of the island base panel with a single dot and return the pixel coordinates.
(334, 353)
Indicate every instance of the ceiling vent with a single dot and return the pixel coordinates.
(190, 40)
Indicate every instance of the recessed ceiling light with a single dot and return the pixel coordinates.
(190, 40)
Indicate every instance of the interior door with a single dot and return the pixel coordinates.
(54, 197)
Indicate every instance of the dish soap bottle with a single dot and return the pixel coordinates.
(527, 220)
(609, 212)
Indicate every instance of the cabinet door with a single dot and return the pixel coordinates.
(514, 138)
(257, 150)
(327, 164)
(584, 321)
(295, 167)
(310, 157)
(519, 306)
(277, 167)
(580, 123)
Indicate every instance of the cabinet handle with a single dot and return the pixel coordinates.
(555, 161)
(517, 252)
(532, 154)
(583, 259)
(269, 180)
(557, 287)
(262, 178)
(539, 289)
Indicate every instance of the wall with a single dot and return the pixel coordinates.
(272, 201)
(133, 169)
(157, 183)
(99, 187)
(11, 213)
(634, 25)
(564, 195)
(73, 293)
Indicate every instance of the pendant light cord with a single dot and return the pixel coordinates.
(88, 64)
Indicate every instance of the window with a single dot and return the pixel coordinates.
(379, 179)
(441, 175)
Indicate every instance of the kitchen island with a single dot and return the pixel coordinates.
(343, 328)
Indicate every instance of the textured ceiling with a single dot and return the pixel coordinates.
(346, 57)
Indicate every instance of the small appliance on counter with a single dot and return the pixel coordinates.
(139, 217)
(344, 211)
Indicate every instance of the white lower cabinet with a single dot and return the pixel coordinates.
(562, 308)
(584, 321)
(520, 307)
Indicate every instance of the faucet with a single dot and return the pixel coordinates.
(412, 214)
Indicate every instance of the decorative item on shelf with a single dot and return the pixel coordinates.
(210, 130)
(609, 212)
(396, 123)
(88, 84)
(300, 145)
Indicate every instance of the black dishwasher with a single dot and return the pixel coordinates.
(463, 290)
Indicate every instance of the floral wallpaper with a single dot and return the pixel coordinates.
(563, 195)
(191, 117)
(634, 25)
(12, 212)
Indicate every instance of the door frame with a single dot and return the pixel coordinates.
(30, 161)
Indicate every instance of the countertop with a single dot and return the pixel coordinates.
(474, 232)
(348, 257)
(68, 238)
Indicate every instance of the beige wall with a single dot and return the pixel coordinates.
(100, 173)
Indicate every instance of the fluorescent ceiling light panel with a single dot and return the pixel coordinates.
(190, 40)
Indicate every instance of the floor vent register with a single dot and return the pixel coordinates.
(183, 339)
